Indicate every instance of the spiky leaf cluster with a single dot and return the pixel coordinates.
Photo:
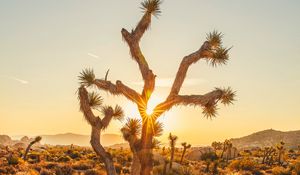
(185, 145)
(227, 96)
(118, 113)
(219, 54)
(87, 77)
(214, 38)
(157, 129)
(107, 110)
(151, 6)
(172, 140)
(132, 128)
(209, 110)
(95, 100)
(37, 139)
(156, 143)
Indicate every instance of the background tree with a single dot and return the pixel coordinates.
(89, 101)
(208, 157)
(172, 142)
(216, 146)
(37, 139)
(280, 150)
(224, 145)
(185, 147)
(211, 50)
(267, 153)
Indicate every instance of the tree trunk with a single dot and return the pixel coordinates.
(182, 155)
(100, 151)
(171, 159)
(136, 165)
(145, 154)
(27, 150)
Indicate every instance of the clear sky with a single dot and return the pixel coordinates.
(45, 44)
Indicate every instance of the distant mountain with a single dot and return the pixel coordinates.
(268, 137)
(80, 140)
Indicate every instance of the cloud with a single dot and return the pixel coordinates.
(168, 82)
(92, 55)
(16, 79)
(20, 80)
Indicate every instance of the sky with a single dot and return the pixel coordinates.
(45, 44)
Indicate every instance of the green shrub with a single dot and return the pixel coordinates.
(13, 160)
(64, 159)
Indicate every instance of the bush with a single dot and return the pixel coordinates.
(13, 160)
(81, 166)
(296, 168)
(64, 159)
(64, 170)
(243, 164)
(280, 171)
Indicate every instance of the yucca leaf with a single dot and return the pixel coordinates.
(87, 77)
(151, 6)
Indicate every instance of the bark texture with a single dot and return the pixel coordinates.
(97, 125)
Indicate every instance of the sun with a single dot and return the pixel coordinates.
(152, 103)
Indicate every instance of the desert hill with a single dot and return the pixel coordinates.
(66, 139)
(268, 137)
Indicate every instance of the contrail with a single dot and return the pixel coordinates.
(92, 55)
(16, 79)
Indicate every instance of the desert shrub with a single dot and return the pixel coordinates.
(296, 168)
(243, 164)
(64, 159)
(209, 156)
(280, 171)
(186, 171)
(94, 172)
(13, 160)
(46, 172)
(51, 165)
(64, 170)
(74, 154)
(118, 168)
(81, 166)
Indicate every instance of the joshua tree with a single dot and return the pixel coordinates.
(267, 153)
(132, 133)
(228, 151)
(216, 146)
(211, 50)
(36, 139)
(280, 149)
(185, 147)
(225, 145)
(172, 142)
(208, 157)
(88, 102)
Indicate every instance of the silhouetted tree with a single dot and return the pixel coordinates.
(216, 146)
(89, 101)
(172, 142)
(280, 150)
(211, 50)
(185, 147)
(267, 153)
(37, 139)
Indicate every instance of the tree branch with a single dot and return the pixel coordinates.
(210, 98)
(85, 106)
(203, 52)
(132, 40)
(119, 89)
